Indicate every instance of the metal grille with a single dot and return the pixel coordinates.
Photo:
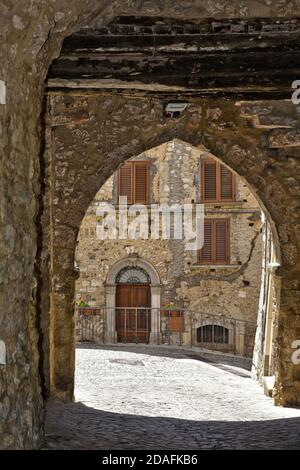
(161, 326)
(133, 275)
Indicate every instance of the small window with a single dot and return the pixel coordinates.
(217, 182)
(216, 247)
(133, 182)
(213, 334)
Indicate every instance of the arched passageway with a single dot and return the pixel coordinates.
(64, 323)
(260, 151)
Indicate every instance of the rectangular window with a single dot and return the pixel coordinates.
(134, 182)
(125, 182)
(216, 242)
(218, 183)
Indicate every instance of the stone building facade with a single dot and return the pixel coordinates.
(221, 294)
(260, 140)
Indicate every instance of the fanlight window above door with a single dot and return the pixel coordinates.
(133, 275)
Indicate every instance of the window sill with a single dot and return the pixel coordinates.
(231, 205)
(215, 266)
(222, 203)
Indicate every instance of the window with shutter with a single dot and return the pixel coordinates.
(206, 253)
(218, 183)
(221, 242)
(133, 182)
(226, 184)
(210, 181)
(125, 182)
(216, 242)
(141, 182)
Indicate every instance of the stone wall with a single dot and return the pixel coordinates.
(32, 34)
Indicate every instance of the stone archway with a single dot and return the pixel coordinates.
(244, 152)
(66, 223)
(110, 290)
(63, 324)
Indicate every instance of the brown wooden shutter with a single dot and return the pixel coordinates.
(125, 182)
(141, 182)
(221, 244)
(218, 182)
(226, 184)
(205, 255)
(209, 180)
(216, 242)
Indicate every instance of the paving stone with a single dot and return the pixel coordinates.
(173, 402)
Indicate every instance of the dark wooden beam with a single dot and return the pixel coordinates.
(78, 45)
(84, 88)
(230, 57)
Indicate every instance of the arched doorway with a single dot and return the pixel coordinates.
(133, 305)
(133, 298)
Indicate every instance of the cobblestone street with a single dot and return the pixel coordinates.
(140, 397)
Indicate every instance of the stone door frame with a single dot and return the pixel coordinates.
(110, 297)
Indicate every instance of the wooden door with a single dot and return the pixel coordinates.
(133, 313)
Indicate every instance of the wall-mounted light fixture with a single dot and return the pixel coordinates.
(174, 110)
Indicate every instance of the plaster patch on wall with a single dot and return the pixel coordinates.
(2, 92)
(2, 353)
(18, 23)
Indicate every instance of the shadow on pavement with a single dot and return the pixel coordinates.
(177, 352)
(76, 426)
